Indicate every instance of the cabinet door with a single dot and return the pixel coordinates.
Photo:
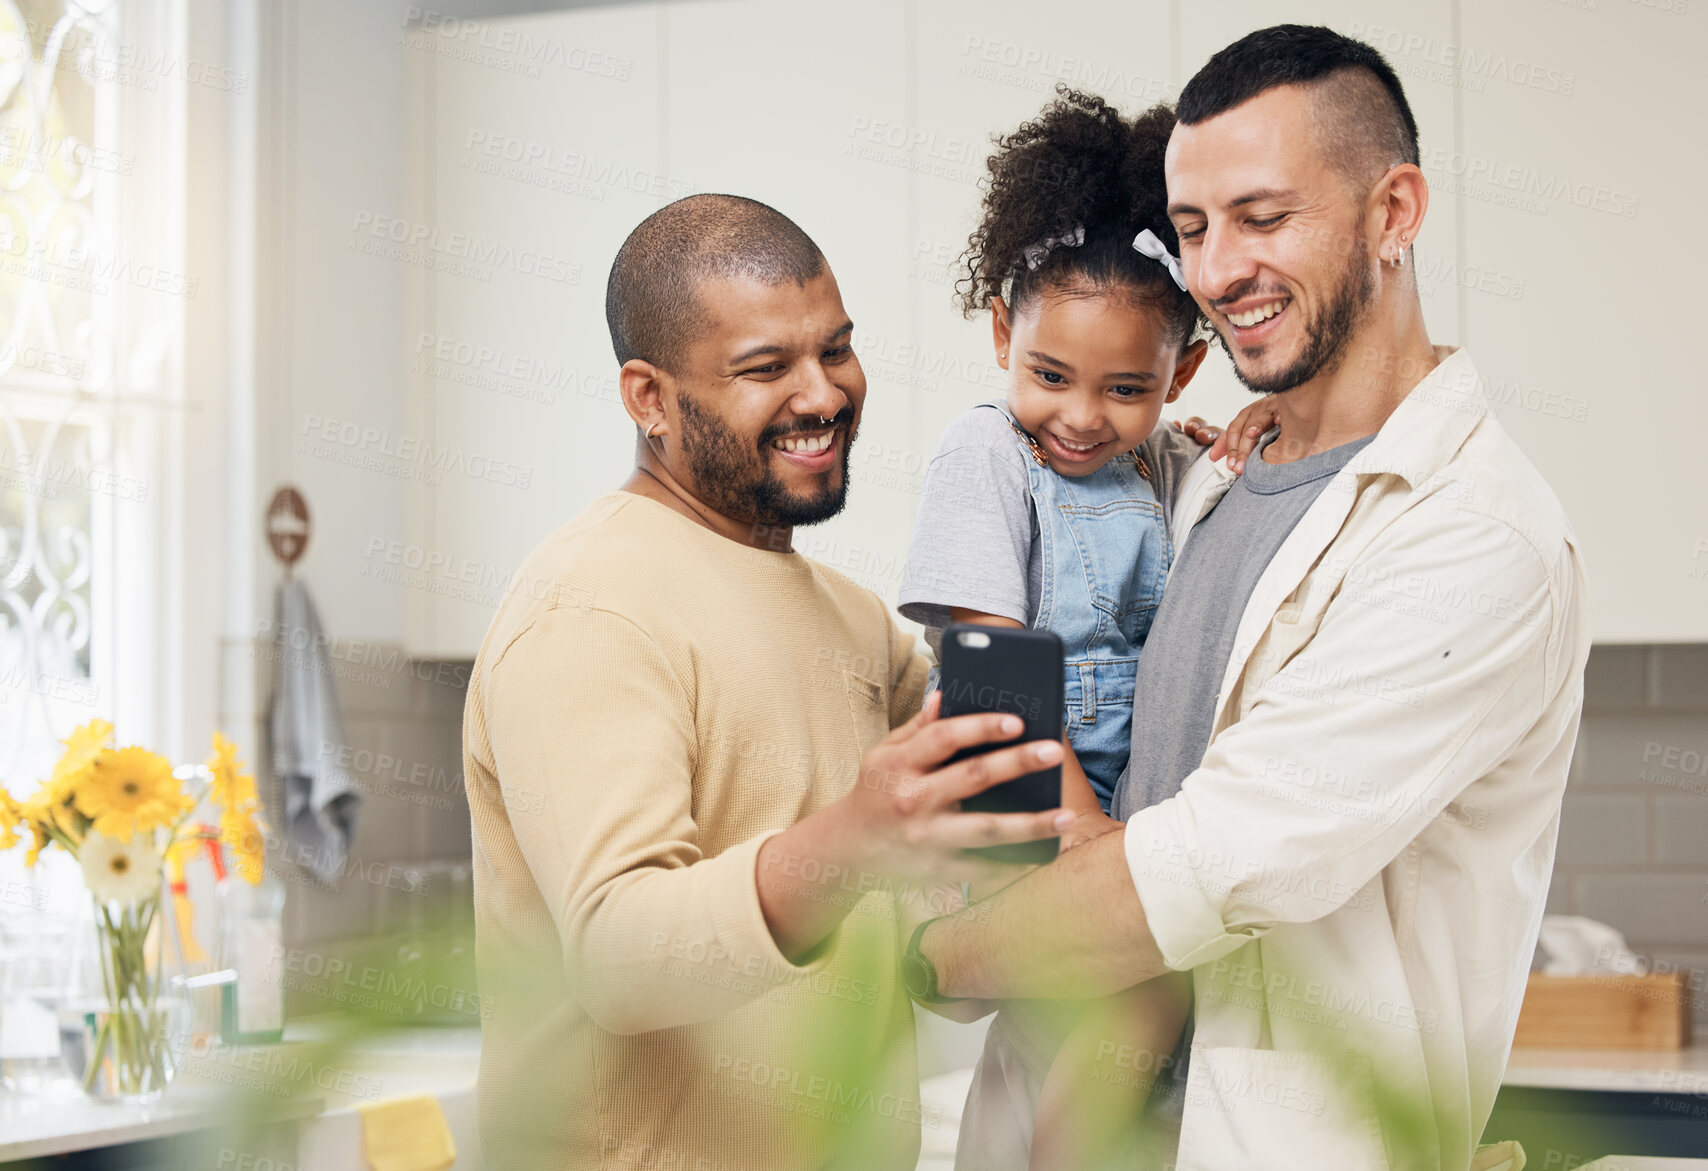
(539, 145)
(792, 104)
(1579, 178)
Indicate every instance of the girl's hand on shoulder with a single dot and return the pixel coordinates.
(1200, 432)
(1240, 439)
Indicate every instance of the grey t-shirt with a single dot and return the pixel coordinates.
(975, 541)
(1186, 655)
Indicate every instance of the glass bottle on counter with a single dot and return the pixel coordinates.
(252, 1005)
(35, 977)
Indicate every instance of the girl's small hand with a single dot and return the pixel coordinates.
(1078, 796)
(1244, 432)
(1090, 825)
(1199, 431)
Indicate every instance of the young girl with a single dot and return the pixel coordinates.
(1052, 511)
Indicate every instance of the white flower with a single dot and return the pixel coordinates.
(123, 872)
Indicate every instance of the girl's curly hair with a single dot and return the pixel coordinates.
(1078, 164)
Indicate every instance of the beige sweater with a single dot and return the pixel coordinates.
(651, 703)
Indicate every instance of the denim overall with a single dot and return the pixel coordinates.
(1105, 557)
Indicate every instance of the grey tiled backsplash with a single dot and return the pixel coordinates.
(1633, 846)
(403, 749)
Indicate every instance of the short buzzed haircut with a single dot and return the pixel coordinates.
(1363, 119)
(652, 302)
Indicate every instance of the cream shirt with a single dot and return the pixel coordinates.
(1356, 872)
(651, 703)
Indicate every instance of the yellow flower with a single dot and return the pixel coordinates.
(11, 813)
(240, 825)
(244, 833)
(232, 787)
(129, 790)
(54, 808)
(48, 818)
(83, 749)
(38, 816)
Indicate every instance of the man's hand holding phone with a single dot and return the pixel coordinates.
(905, 807)
(902, 820)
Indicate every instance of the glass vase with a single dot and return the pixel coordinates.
(123, 1040)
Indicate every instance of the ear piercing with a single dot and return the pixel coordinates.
(1399, 254)
(650, 427)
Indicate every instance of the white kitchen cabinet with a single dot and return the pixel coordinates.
(870, 128)
(1579, 183)
(539, 145)
(782, 102)
(732, 97)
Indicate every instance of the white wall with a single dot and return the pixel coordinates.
(800, 105)
(331, 141)
(1602, 251)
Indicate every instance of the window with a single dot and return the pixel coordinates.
(91, 317)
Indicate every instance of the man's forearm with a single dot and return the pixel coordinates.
(1072, 929)
(807, 883)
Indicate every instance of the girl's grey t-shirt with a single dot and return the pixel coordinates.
(1186, 655)
(975, 541)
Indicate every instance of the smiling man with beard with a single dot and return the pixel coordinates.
(1358, 701)
(698, 761)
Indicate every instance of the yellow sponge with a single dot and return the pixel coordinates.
(407, 1134)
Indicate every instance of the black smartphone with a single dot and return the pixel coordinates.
(1007, 669)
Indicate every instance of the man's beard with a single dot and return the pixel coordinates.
(1326, 337)
(737, 479)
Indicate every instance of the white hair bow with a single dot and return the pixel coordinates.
(1147, 244)
(1035, 253)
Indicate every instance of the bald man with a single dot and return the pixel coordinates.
(698, 764)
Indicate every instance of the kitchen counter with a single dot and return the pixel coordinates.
(300, 1081)
(398, 1063)
(1628, 1107)
(443, 1062)
(1656, 1071)
(1683, 1073)
(37, 1126)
